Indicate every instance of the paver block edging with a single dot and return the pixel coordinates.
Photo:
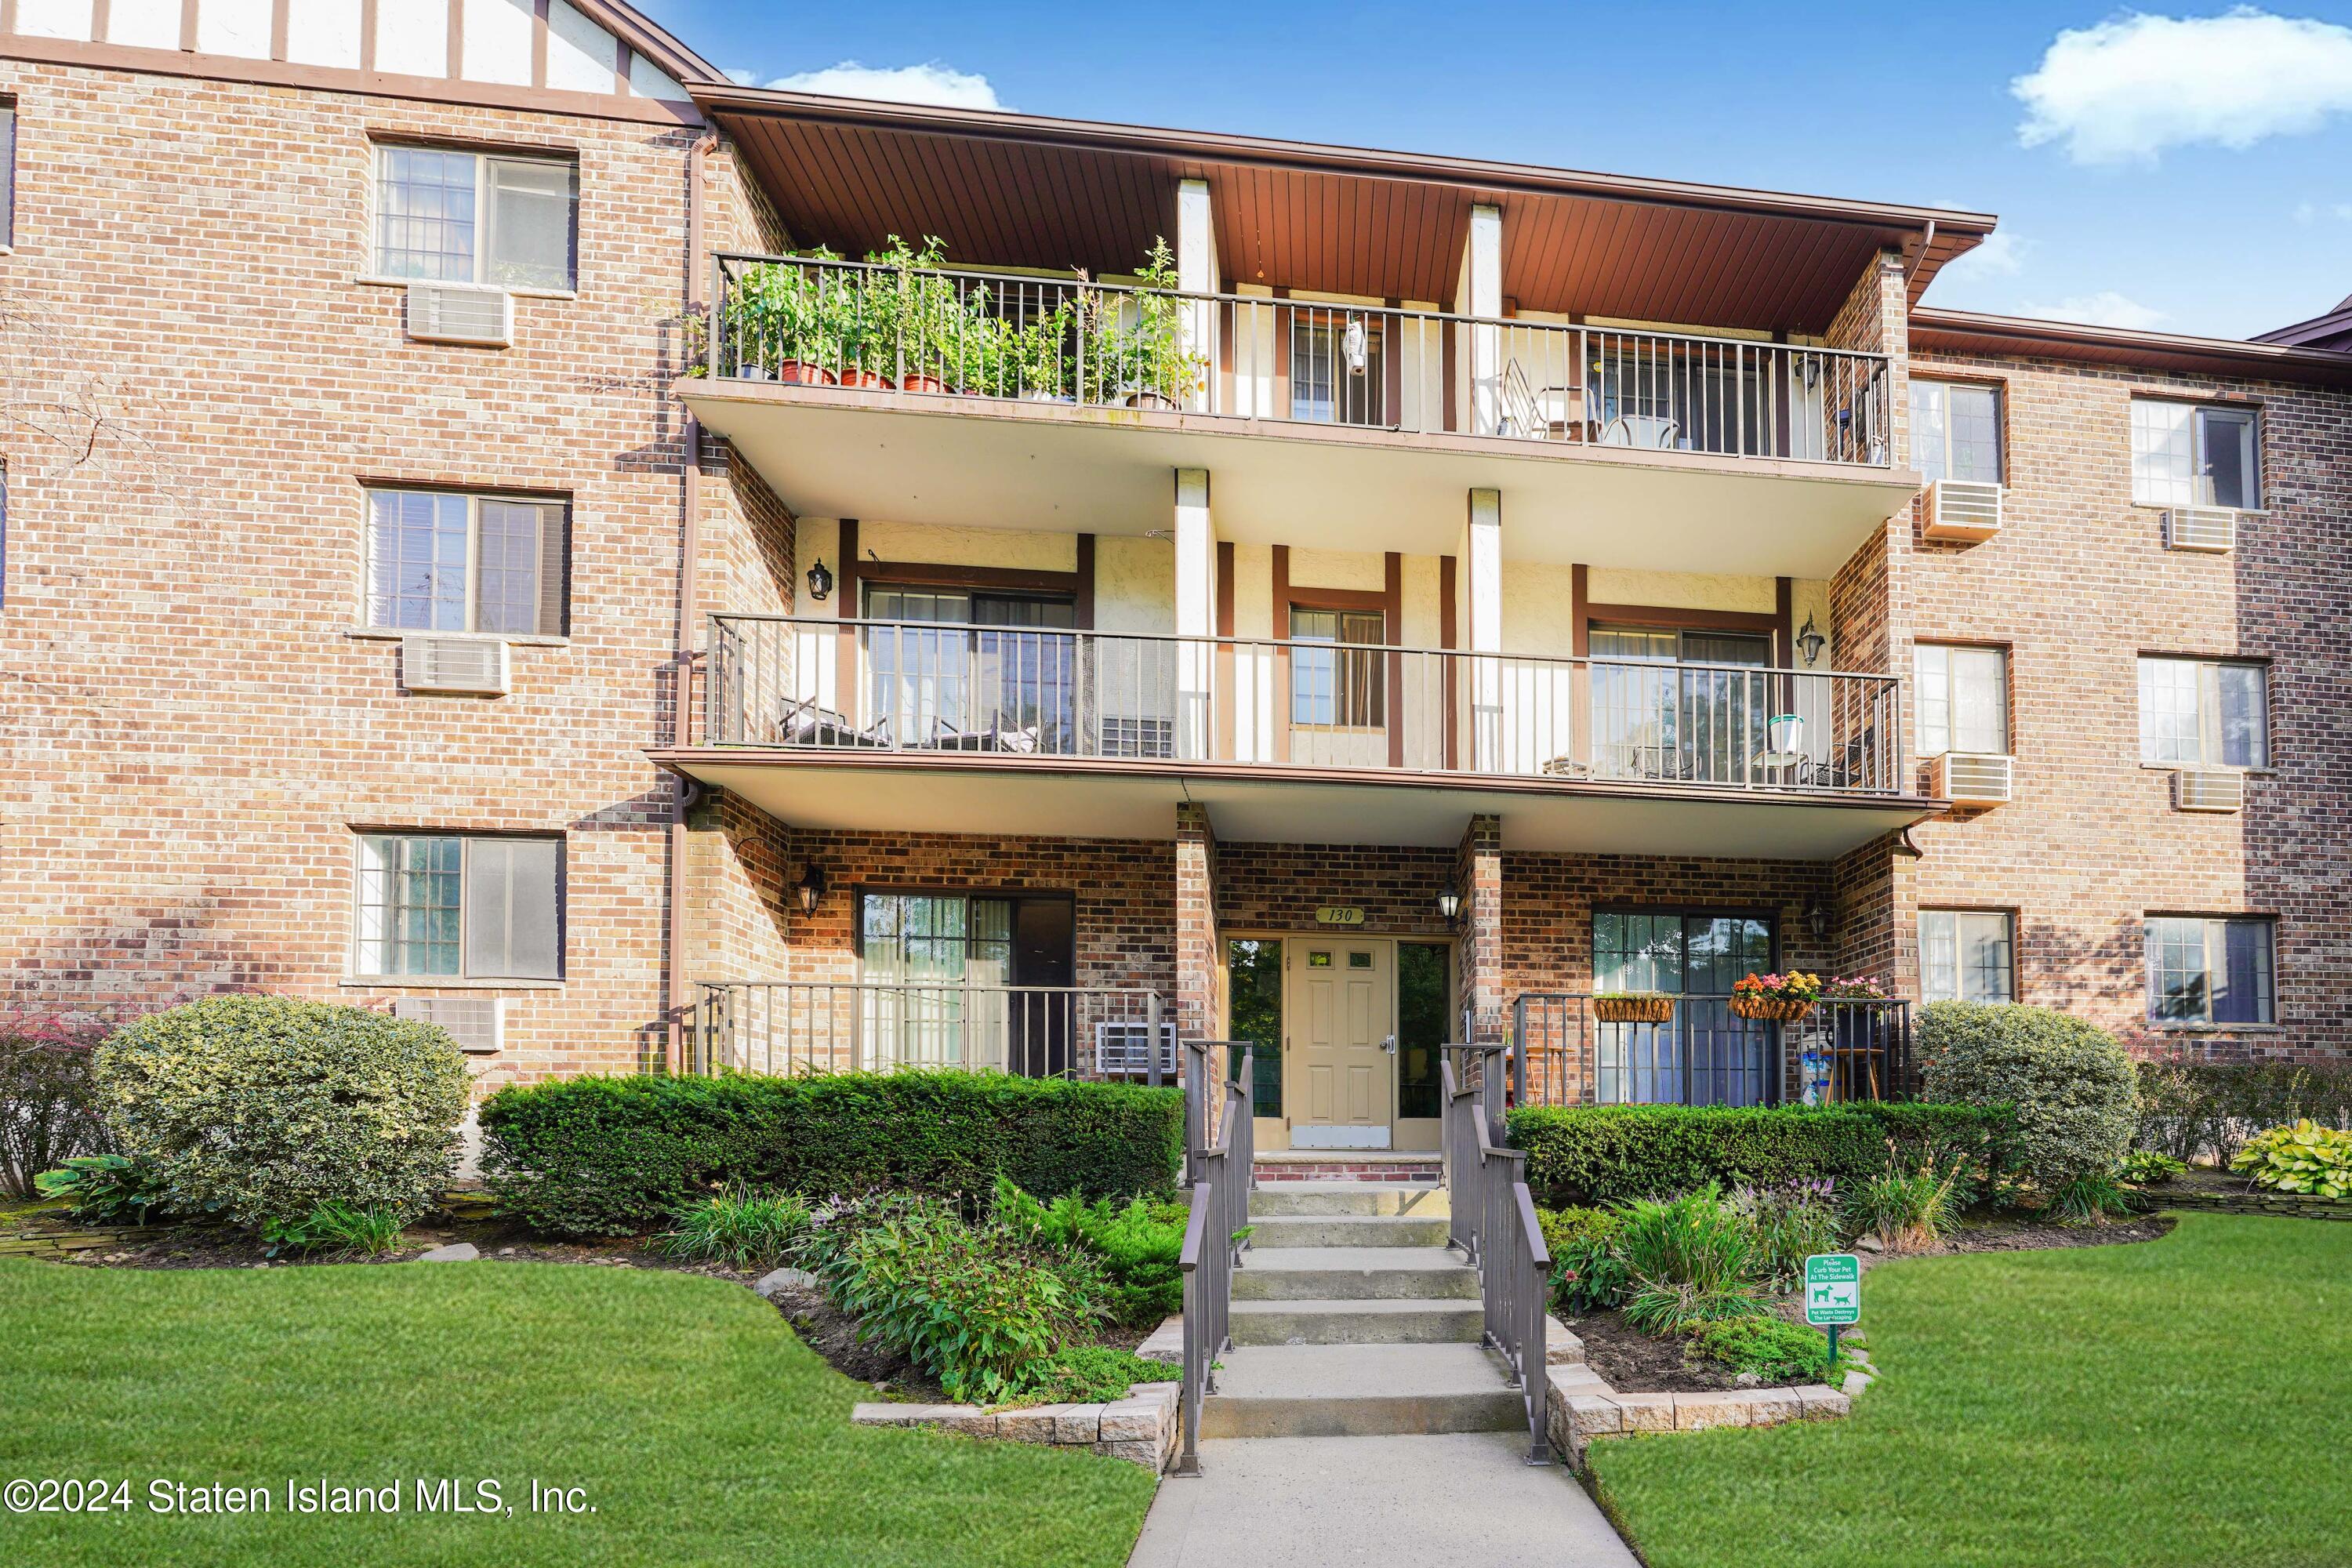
(1576, 1418)
(1140, 1428)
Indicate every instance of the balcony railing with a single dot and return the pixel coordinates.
(1054, 340)
(783, 1027)
(854, 686)
(1702, 1053)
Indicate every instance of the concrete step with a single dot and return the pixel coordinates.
(1338, 1391)
(1408, 1320)
(1348, 1198)
(1354, 1274)
(1348, 1230)
(1350, 1165)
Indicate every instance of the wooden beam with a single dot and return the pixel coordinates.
(1449, 636)
(539, 43)
(1579, 679)
(1228, 698)
(1281, 652)
(844, 684)
(1082, 602)
(1393, 622)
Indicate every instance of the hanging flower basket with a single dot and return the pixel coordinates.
(1771, 1009)
(1634, 1007)
(1776, 998)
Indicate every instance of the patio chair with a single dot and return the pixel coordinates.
(1527, 413)
(1651, 431)
(947, 737)
(805, 722)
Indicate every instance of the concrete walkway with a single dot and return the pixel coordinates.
(1465, 1497)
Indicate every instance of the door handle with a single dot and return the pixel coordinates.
(1389, 1044)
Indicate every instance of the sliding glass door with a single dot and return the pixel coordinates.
(973, 672)
(1684, 705)
(1704, 1054)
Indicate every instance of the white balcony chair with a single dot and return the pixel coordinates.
(1651, 431)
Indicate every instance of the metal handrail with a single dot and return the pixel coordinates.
(779, 1027)
(1495, 1224)
(1223, 1170)
(1067, 339)
(822, 683)
(1844, 1049)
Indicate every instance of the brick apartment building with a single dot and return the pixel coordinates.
(468, 548)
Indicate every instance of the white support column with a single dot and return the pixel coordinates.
(1481, 624)
(1196, 273)
(1196, 617)
(1482, 279)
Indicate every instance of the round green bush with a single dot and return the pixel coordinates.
(2069, 1084)
(262, 1107)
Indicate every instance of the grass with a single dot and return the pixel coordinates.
(2176, 1404)
(700, 1429)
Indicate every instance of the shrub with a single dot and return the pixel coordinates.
(614, 1156)
(1094, 1375)
(338, 1228)
(48, 1107)
(1139, 1246)
(1587, 1275)
(103, 1188)
(2194, 1110)
(2068, 1083)
(263, 1107)
(1772, 1348)
(1909, 1210)
(2087, 1199)
(2303, 1158)
(741, 1228)
(1687, 1261)
(1787, 1223)
(2147, 1168)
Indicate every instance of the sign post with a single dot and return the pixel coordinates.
(1832, 1293)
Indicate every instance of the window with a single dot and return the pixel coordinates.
(2185, 455)
(950, 665)
(1967, 956)
(440, 561)
(1335, 375)
(8, 174)
(442, 907)
(2203, 971)
(468, 217)
(1338, 686)
(1963, 699)
(1956, 431)
(1254, 1013)
(2204, 713)
(1703, 1056)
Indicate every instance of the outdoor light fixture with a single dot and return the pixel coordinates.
(1810, 642)
(1449, 903)
(820, 581)
(812, 887)
(1817, 916)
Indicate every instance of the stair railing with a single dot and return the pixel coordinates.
(1493, 1222)
(1219, 1162)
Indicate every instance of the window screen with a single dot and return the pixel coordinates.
(464, 217)
(1342, 685)
(449, 906)
(1956, 430)
(1963, 696)
(2185, 455)
(2210, 970)
(2204, 713)
(448, 563)
(1967, 956)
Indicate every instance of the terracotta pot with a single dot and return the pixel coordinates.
(806, 373)
(865, 378)
(923, 384)
(1633, 1009)
(1150, 400)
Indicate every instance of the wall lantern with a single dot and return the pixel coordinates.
(810, 887)
(1810, 642)
(1817, 916)
(820, 582)
(1449, 903)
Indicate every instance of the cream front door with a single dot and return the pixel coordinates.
(1340, 1017)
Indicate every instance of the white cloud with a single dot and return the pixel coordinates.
(929, 83)
(2002, 255)
(2127, 88)
(2104, 308)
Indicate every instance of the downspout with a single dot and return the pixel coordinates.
(678, 996)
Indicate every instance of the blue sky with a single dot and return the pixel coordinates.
(2189, 170)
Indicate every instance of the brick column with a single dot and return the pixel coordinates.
(1478, 875)
(1196, 924)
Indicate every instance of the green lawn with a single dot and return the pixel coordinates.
(701, 1430)
(2181, 1404)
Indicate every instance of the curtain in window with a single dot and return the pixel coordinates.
(1963, 696)
(1697, 724)
(1343, 684)
(1966, 956)
(947, 673)
(931, 965)
(1706, 1056)
(418, 558)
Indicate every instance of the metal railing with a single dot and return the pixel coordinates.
(777, 1027)
(817, 683)
(1563, 1052)
(1220, 1153)
(1493, 1222)
(1066, 339)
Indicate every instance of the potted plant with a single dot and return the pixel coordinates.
(786, 320)
(1038, 361)
(1155, 368)
(1633, 1006)
(1785, 734)
(903, 316)
(1855, 988)
(1776, 998)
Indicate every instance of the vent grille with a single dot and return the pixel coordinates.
(1974, 778)
(1124, 1048)
(477, 1024)
(1967, 509)
(460, 313)
(2209, 789)
(2212, 529)
(473, 666)
(1138, 737)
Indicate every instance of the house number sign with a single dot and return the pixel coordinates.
(1339, 915)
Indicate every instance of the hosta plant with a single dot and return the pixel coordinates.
(2303, 1158)
(2149, 1168)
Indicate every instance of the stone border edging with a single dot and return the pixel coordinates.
(1139, 1428)
(1574, 1420)
(2257, 1201)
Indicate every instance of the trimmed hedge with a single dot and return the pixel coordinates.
(1585, 1155)
(614, 1156)
(2069, 1080)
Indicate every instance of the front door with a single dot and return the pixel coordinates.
(1341, 1046)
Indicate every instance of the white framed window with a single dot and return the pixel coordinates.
(2200, 712)
(2189, 454)
(7, 173)
(453, 216)
(1968, 955)
(2211, 970)
(1963, 699)
(1956, 430)
(448, 906)
(442, 561)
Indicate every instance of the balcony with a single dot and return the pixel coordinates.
(1702, 1053)
(932, 395)
(789, 1027)
(997, 729)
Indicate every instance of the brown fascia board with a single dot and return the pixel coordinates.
(648, 37)
(1207, 147)
(2334, 324)
(1972, 331)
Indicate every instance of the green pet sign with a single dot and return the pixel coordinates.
(1832, 1293)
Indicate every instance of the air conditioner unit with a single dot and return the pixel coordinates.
(1974, 778)
(477, 1024)
(1964, 510)
(473, 666)
(2212, 529)
(2209, 789)
(1123, 1048)
(460, 313)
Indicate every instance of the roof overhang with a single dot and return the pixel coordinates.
(1074, 799)
(1017, 190)
(1967, 331)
